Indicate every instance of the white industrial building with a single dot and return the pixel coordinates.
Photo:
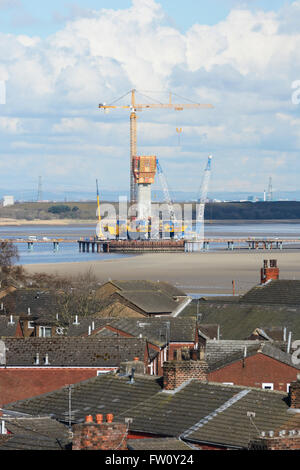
(8, 201)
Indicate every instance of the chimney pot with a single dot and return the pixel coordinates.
(89, 419)
(109, 418)
(99, 419)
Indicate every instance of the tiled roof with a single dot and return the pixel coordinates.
(30, 441)
(144, 285)
(231, 426)
(280, 291)
(104, 394)
(156, 330)
(200, 412)
(239, 320)
(151, 302)
(218, 350)
(157, 444)
(79, 351)
(220, 360)
(40, 302)
(37, 426)
(7, 327)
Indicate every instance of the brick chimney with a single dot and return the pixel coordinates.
(279, 440)
(100, 435)
(176, 373)
(294, 396)
(269, 271)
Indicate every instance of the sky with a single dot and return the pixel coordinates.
(60, 59)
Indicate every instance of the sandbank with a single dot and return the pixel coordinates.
(205, 272)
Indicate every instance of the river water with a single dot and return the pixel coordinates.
(69, 252)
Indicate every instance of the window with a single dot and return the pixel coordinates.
(288, 388)
(31, 325)
(45, 332)
(267, 386)
(101, 372)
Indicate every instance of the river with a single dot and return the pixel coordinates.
(69, 252)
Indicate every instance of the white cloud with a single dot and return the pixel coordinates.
(244, 65)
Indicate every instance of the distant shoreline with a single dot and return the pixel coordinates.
(74, 222)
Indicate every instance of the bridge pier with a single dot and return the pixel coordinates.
(230, 245)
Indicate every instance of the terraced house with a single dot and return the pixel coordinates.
(181, 408)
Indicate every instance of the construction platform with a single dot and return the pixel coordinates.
(131, 246)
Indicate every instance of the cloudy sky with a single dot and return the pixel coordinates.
(60, 59)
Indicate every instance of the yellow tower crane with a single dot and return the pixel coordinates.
(134, 107)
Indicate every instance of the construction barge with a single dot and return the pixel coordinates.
(131, 246)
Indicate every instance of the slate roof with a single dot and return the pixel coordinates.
(144, 285)
(239, 320)
(157, 444)
(218, 361)
(103, 394)
(62, 351)
(8, 328)
(154, 329)
(40, 302)
(197, 412)
(30, 441)
(280, 291)
(38, 426)
(218, 350)
(151, 302)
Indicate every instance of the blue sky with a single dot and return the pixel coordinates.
(46, 17)
(60, 59)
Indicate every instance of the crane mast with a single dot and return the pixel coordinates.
(165, 189)
(201, 201)
(134, 107)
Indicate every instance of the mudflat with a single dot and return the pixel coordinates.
(205, 272)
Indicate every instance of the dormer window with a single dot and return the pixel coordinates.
(45, 332)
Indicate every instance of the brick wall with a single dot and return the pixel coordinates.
(254, 371)
(176, 373)
(294, 394)
(100, 435)
(18, 384)
(290, 441)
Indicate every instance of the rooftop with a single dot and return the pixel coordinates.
(197, 412)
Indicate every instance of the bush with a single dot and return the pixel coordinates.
(59, 209)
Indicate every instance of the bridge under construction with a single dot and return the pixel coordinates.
(94, 245)
(143, 171)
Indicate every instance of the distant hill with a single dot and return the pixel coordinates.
(279, 210)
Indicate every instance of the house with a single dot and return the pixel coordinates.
(269, 309)
(181, 406)
(165, 335)
(257, 364)
(31, 366)
(145, 298)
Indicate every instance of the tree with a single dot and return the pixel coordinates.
(8, 255)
